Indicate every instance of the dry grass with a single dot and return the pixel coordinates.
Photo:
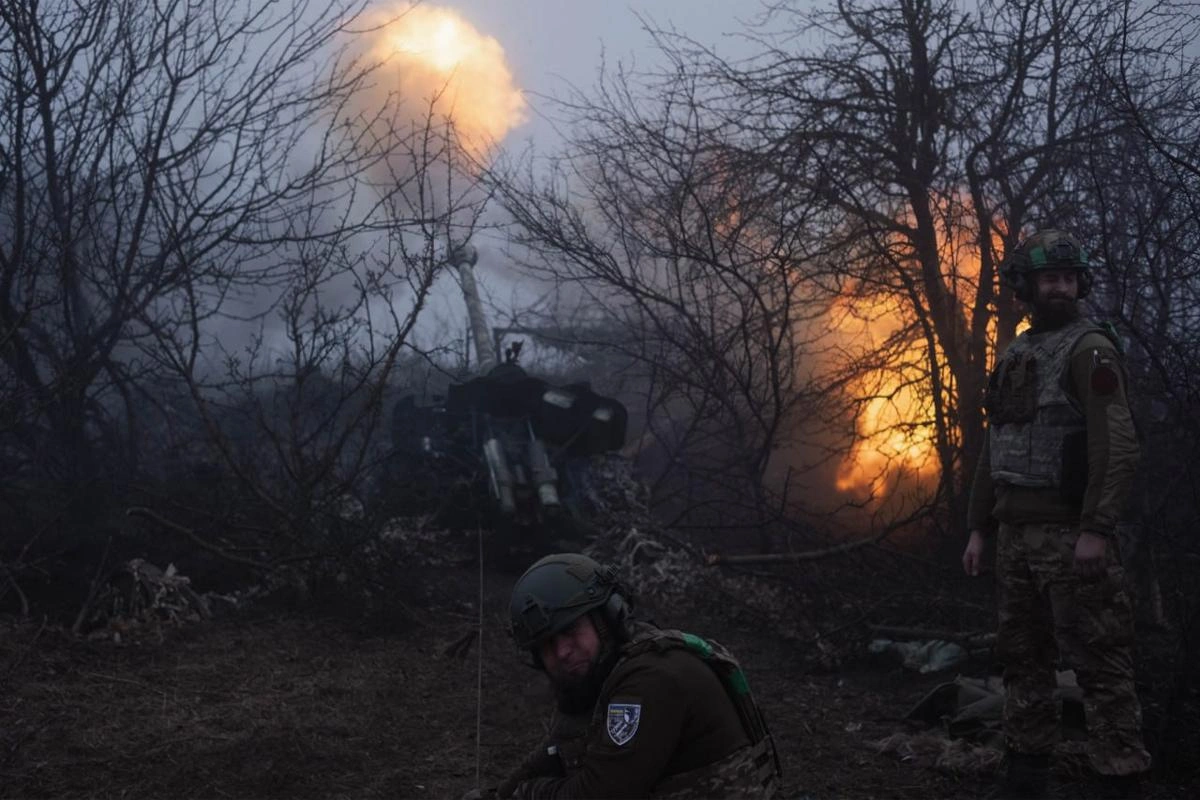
(283, 707)
(297, 706)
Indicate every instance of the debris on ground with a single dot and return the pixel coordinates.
(973, 708)
(924, 657)
(934, 751)
(140, 596)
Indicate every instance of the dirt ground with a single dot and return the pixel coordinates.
(296, 705)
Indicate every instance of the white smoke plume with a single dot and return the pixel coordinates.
(435, 65)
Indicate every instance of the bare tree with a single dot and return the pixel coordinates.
(935, 137)
(296, 414)
(150, 160)
(661, 238)
(904, 147)
(212, 256)
(1142, 190)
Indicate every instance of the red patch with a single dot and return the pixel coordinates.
(1104, 380)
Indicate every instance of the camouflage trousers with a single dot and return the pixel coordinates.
(1048, 613)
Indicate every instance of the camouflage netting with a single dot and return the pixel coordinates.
(667, 574)
(138, 597)
(417, 540)
(408, 563)
(610, 489)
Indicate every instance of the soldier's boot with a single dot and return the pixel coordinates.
(1026, 778)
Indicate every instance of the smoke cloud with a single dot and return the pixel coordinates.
(434, 65)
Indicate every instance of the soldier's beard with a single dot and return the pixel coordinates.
(577, 694)
(1053, 313)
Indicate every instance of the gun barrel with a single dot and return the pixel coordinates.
(500, 475)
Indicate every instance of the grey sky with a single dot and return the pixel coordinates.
(551, 44)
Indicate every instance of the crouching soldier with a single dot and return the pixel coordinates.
(641, 711)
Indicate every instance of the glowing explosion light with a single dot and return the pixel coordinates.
(434, 59)
(896, 440)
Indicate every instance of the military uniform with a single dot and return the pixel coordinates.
(665, 725)
(1059, 461)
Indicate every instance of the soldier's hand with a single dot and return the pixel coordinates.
(972, 557)
(1090, 555)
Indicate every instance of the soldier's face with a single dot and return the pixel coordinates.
(569, 654)
(1056, 285)
(1055, 297)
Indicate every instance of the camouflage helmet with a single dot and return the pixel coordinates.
(1046, 250)
(559, 589)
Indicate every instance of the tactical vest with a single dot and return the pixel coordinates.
(749, 772)
(1036, 427)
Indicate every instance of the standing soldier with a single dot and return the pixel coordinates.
(1053, 477)
(641, 710)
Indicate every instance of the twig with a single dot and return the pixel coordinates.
(479, 674)
(460, 647)
(17, 587)
(91, 595)
(715, 559)
(117, 679)
(901, 632)
(816, 555)
(860, 619)
(141, 511)
(28, 649)
(891, 551)
(20, 560)
(49, 524)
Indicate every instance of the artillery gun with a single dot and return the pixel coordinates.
(505, 449)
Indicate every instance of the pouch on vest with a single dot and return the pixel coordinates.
(1012, 391)
(737, 687)
(1074, 467)
(733, 679)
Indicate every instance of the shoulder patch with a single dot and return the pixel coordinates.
(623, 719)
(1104, 380)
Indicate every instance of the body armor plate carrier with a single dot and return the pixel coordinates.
(1037, 429)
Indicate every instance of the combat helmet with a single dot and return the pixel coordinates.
(559, 589)
(1045, 250)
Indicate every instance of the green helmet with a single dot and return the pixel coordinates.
(1047, 249)
(559, 589)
